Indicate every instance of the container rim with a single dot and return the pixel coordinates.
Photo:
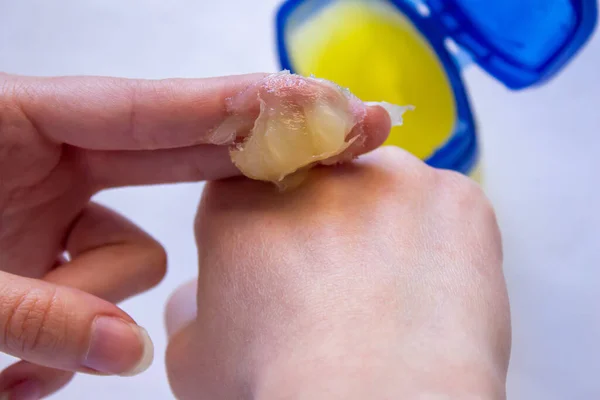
(461, 151)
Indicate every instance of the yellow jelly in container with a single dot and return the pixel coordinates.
(413, 52)
(379, 55)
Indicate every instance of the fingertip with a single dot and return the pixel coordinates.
(147, 357)
(376, 127)
(369, 134)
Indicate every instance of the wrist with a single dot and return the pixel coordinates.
(294, 386)
(358, 377)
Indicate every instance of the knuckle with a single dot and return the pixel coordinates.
(394, 154)
(11, 141)
(139, 139)
(469, 205)
(136, 91)
(402, 164)
(25, 154)
(34, 323)
(463, 191)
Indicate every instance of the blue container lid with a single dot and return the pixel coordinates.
(522, 43)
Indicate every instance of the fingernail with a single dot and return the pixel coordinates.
(27, 390)
(147, 355)
(118, 347)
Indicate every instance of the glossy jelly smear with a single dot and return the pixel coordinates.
(370, 48)
(294, 123)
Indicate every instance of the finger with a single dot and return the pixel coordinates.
(110, 257)
(190, 164)
(25, 380)
(296, 91)
(65, 328)
(182, 307)
(113, 116)
(290, 91)
(206, 162)
(103, 113)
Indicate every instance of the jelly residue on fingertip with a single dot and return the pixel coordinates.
(301, 122)
(395, 112)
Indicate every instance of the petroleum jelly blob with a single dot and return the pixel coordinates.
(299, 123)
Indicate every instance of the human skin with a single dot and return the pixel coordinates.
(63, 139)
(381, 279)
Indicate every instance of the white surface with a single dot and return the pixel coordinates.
(541, 153)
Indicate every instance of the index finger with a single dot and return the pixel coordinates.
(177, 121)
(101, 113)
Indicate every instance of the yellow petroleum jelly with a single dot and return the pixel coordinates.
(369, 47)
(302, 122)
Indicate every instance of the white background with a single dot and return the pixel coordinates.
(541, 152)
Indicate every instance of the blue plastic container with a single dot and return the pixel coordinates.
(521, 43)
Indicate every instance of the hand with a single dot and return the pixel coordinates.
(377, 280)
(61, 141)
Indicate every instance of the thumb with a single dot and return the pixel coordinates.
(65, 328)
